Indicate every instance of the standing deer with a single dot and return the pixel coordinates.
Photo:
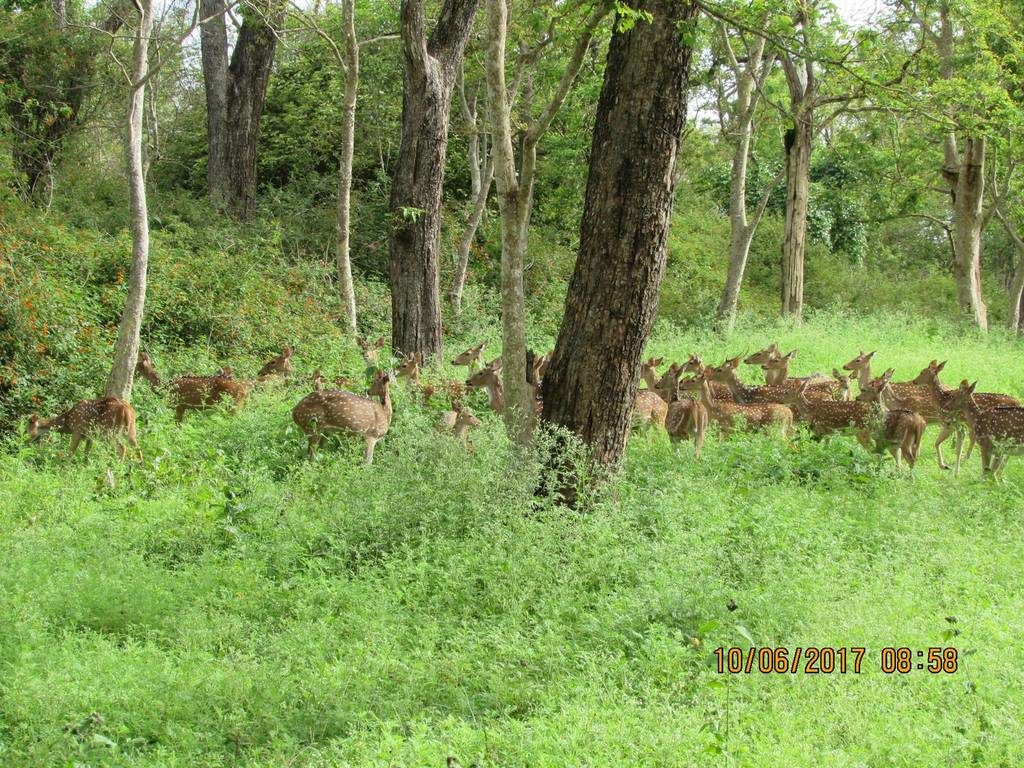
(650, 408)
(686, 418)
(649, 371)
(998, 430)
(371, 349)
(201, 392)
(458, 422)
(334, 410)
(950, 415)
(825, 416)
(725, 413)
(106, 414)
(147, 370)
(897, 428)
(472, 357)
(776, 372)
(489, 378)
(695, 366)
(918, 398)
(278, 366)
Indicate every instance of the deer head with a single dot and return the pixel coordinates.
(318, 380)
(472, 357)
(930, 373)
(410, 367)
(371, 349)
(764, 356)
(844, 391)
(147, 370)
(859, 362)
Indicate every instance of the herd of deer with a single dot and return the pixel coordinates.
(885, 415)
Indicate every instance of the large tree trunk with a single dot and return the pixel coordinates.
(592, 380)
(415, 205)
(348, 132)
(213, 43)
(965, 175)
(126, 350)
(799, 140)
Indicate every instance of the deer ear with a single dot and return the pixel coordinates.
(872, 354)
(972, 387)
(888, 374)
(941, 365)
(791, 355)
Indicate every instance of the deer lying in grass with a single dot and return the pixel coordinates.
(694, 365)
(726, 413)
(409, 368)
(200, 392)
(459, 422)
(334, 410)
(87, 417)
(686, 418)
(371, 349)
(473, 357)
(726, 374)
(489, 378)
(998, 430)
(895, 427)
(950, 416)
(278, 366)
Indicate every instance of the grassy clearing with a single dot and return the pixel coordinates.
(228, 603)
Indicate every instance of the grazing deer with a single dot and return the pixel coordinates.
(105, 414)
(200, 392)
(334, 410)
(459, 422)
(409, 368)
(950, 415)
(472, 357)
(725, 412)
(489, 378)
(998, 430)
(686, 418)
(371, 349)
(278, 366)
(147, 370)
(896, 428)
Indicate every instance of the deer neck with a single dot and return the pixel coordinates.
(496, 395)
(650, 378)
(739, 392)
(385, 404)
(864, 375)
(706, 397)
(777, 375)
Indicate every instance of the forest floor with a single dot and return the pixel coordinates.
(229, 603)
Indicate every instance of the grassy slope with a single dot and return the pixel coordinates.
(228, 603)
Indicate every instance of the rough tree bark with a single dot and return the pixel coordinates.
(235, 93)
(749, 76)
(415, 206)
(799, 141)
(348, 132)
(481, 175)
(515, 200)
(592, 380)
(126, 350)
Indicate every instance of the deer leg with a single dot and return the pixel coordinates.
(698, 442)
(370, 442)
(179, 413)
(88, 446)
(76, 438)
(959, 449)
(314, 440)
(121, 450)
(943, 434)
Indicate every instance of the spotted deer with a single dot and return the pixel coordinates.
(998, 430)
(726, 374)
(201, 392)
(147, 370)
(336, 411)
(489, 378)
(826, 416)
(950, 415)
(896, 428)
(281, 365)
(776, 373)
(694, 365)
(686, 418)
(409, 368)
(649, 371)
(459, 421)
(649, 408)
(727, 413)
(87, 417)
(473, 357)
(371, 349)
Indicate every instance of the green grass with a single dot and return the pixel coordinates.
(228, 603)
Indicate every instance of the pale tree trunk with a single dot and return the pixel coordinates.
(415, 206)
(740, 131)
(1015, 309)
(481, 175)
(515, 200)
(591, 383)
(126, 350)
(348, 130)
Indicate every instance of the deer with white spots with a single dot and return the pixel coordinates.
(896, 427)
(489, 378)
(337, 411)
(458, 422)
(998, 431)
(87, 417)
(201, 392)
(726, 413)
(409, 368)
(281, 365)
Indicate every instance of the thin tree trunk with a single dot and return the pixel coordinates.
(126, 350)
(348, 130)
(213, 43)
(415, 205)
(967, 186)
(1015, 311)
(592, 380)
(794, 242)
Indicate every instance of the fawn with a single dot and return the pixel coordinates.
(147, 370)
(998, 430)
(458, 422)
(472, 357)
(489, 378)
(334, 410)
(686, 418)
(725, 412)
(409, 368)
(897, 428)
(200, 392)
(278, 366)
(371, 349)
(105, 414)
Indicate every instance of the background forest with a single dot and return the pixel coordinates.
(847, 178)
